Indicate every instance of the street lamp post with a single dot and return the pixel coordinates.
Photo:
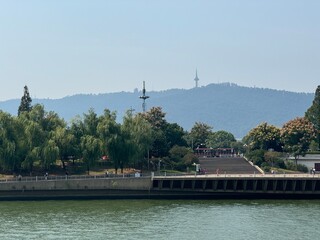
(197, 166)
(159, 165)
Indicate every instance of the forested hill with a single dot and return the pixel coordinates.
(223, 106)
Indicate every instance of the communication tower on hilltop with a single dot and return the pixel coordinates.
(196, 79)
(144, 97)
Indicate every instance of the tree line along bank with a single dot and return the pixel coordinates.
(39, 140)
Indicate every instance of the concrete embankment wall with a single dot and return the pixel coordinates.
(75, 188)
(76, 184)
(242, 187)
(184, 187)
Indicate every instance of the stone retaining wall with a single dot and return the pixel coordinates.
(78, 184)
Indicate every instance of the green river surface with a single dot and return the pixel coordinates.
(160, 219)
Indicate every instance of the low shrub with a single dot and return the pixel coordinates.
(299, 167)
(265, 167)
(256, 156)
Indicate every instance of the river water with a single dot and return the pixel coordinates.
(160, 219)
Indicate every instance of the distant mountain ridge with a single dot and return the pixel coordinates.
(224, 106)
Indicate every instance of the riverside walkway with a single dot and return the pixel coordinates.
(191, 186)
(63, 178)
(162, 175)
(225, 177)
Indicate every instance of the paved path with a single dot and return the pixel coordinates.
(234, 165)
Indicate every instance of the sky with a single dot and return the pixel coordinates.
(61, 48)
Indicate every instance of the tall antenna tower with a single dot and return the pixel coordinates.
(144, 97)
(196, 79)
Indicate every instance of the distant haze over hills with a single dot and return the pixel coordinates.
(223, 106)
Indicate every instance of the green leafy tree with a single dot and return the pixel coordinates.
(156, 118)
(47, 121)
(165, 135)
(297, 135)
(220, 139)
(31, 156)
(256, 156)
(40, 135)
(51, 122)
(91, 144)
(314, 146)
(25, 104)
(175, 135)
(238, 147)
(91, 150)
(34, 139)
(313, 114)
(180, 158)
(117, 142)
(36, 114)
(139, 132)
(8, 143)
(66, 143)
(264, 137)
(126, 143)
(91, 122)
(50, 154)
(272, 157)
(117, 148)
(199, 134)
(77, 131)
(28, 138)
(107, 126)
(35, 136)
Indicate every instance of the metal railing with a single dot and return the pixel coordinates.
(155, 175)
(68, 177)
(231, 175)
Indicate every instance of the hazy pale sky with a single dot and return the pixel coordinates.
(59, 48)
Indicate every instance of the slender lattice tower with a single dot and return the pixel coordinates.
(144, 97)
(196, 79)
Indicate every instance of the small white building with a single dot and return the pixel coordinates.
(309, 160)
